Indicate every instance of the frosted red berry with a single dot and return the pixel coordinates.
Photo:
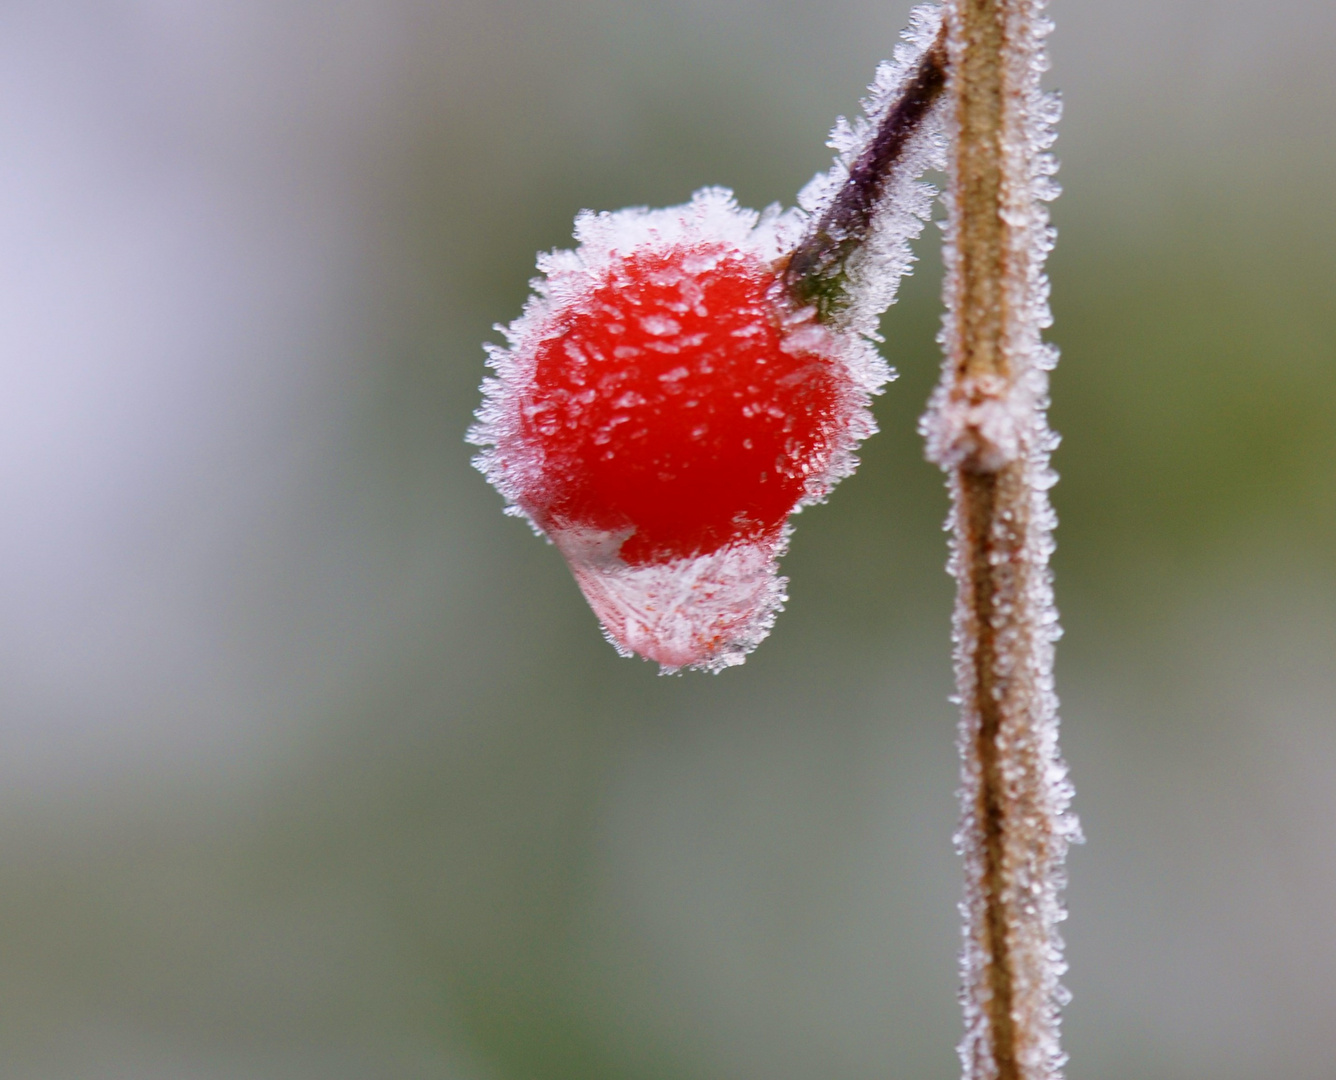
(661, 411)
(686, 379)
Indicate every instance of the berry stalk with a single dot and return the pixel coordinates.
(820, 270)
(986, 426)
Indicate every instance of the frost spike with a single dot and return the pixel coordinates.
(986, 426)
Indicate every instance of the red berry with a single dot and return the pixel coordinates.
(660, 414)
(667, 404)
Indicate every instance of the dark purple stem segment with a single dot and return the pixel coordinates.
(817, 272)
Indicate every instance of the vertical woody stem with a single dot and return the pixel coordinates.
(986, 426)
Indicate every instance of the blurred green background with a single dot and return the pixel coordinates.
(312, 764)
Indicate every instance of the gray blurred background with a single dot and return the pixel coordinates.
(314, 765)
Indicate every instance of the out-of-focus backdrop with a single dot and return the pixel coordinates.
(314, 765)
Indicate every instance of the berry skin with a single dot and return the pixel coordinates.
(660, 413)
(669, 404)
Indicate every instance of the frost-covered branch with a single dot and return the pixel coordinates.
(987, 427)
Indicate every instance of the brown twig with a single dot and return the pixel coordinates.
(986, 426)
